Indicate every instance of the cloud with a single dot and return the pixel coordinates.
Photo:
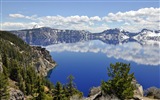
(136, 20)
(61, 22)
(33, 17)
(132, 21)
(18, 25)
(17, 15)
(95, 18)
(146, 55)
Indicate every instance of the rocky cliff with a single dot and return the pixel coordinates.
(42, 60)
(17, 59)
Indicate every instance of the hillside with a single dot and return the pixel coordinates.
(23, 71)
(17, 49)
(22, 67)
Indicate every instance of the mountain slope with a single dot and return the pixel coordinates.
(21, 67)
(46, 36)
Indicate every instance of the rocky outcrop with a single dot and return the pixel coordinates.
(16, 94)
(43, 62)
(138, 89)
(153, 92)
(94, 91)
(97, 94)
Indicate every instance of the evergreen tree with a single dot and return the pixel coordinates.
(120, 81)
(40, 90)
(5, 64)
(21, 83)
(71, 89)
(71, 85)
(4, 95)
(5, 59)
(31, 80)
(58, 92)
(28, 88)
(15, 71)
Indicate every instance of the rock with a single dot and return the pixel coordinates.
(44, 61)
(16, 94)
(106, 97)
(153, 92)
(1, 68)
(96, 94)
(94, 91)
(76, 97)
(138, 89)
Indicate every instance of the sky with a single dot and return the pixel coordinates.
(91, 15)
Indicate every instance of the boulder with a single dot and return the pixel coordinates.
(153, 92)
(138, 89)
(16, 94)
(94, 91)
(96, 94)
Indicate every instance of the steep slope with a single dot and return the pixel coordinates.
(16, 48)
(22, 67)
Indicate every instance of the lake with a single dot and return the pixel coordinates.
(87, 61)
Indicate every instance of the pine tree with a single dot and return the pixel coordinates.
(120, 81)
(5, 64)
(5, 59)
(4, 95)
(21, 83)
(58, 92)
(71, 86)
(15, 71)
(40, 90)
(28, 88)
(31, 80)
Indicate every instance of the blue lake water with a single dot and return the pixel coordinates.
(88, 61)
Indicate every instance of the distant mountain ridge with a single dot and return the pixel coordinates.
(46, 36)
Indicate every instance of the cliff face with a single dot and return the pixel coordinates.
(44, 61)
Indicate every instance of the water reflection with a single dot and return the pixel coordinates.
(147, 54)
